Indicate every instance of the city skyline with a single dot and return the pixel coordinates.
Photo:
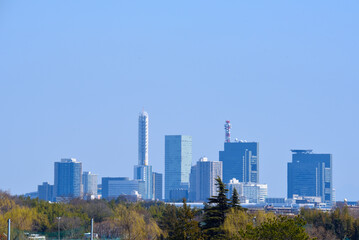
(284, 73)
(308, 175)
(143, 158)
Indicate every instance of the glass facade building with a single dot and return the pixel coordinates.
(144, 173)
(202, 180)
(157, 179)
(310, 174)
(89, 181)
(113, 187)
(178, 161)
(68, 179)
(45, 191)
(240, 161)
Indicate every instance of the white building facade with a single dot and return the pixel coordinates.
(248, 192)
(143, 171)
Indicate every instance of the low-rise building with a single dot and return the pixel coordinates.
(248, 192)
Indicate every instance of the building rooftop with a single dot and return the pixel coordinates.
(308, 151)
(68, 160)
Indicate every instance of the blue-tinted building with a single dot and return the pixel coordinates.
(178, 194)
(240, 161)
(45, 191)
(113, 187)
(157, 179)
(144, 173)
(68, 179)
(310, 174)
(178, 160)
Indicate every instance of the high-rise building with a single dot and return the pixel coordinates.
(143, 138)
(157, 180)
(143, 171)
(113, 187)
(248, 192)
(310, 174)
(192, 184)
(178, 160)
(203, 179)
(89, 181)
(68, 179)
(178, 194)
(240, 161)
(46, 191)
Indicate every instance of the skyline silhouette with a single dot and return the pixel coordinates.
(74, 77)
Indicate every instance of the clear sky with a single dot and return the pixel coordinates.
(74, 75)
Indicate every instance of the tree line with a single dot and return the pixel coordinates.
(221, 218)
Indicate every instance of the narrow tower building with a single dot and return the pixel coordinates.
(143, 171)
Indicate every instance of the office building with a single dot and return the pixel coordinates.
(114, 187)
(157, 180)
(143, 171)
(310, 174)
(68, 179)
(178, 160)
(240, 161)
(46, 191)
(248, 192)
(89, 181)
(178, 194)
(203, 179)
(275, 200)
(192, 184)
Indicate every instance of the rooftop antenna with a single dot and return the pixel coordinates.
(227, 128)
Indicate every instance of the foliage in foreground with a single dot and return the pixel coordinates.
(222, 218)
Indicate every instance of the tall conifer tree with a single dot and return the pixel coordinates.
(215, 212)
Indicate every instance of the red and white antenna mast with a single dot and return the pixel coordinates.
(227, 128)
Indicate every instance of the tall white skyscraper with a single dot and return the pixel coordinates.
(142, 171)
(143, 138)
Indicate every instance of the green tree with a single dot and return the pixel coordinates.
(132, 224)
(338, 223)
(179, 222)
(215, 213)
(237, 221)
(168, 220)
(279, 228)
(186, 227)
(234, 199)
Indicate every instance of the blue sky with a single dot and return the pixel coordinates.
(74, 76)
